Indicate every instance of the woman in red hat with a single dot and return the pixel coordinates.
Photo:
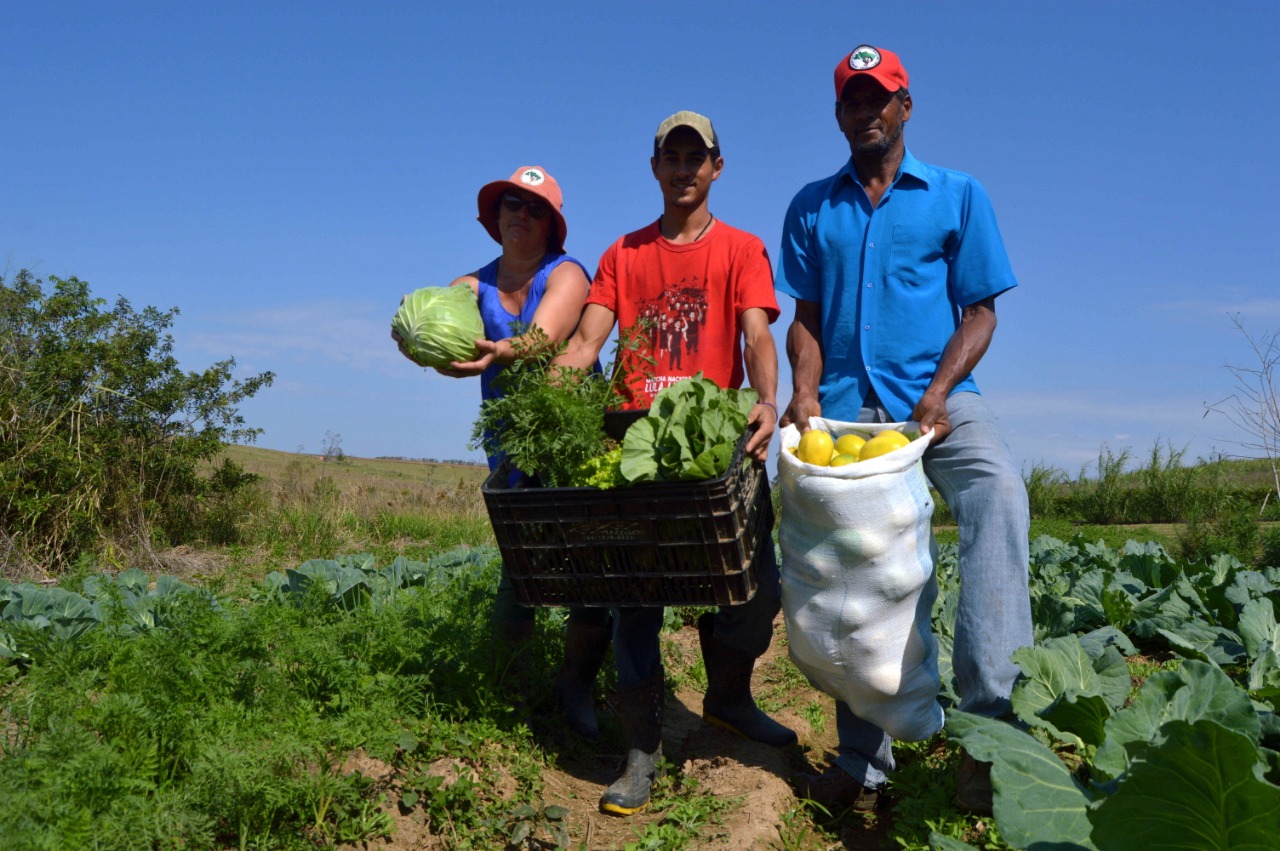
(533, 282)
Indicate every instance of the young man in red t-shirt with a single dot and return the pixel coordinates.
(706, 291)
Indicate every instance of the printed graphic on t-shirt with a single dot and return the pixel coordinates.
(675, 320)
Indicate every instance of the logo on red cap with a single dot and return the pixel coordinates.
(532, 176)
(864, 57)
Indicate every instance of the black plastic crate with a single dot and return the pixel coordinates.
(652, 544)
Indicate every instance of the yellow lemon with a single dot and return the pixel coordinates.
(844, 458)
(816, 447)
(792, 449)
(882, 444)
(850, 444)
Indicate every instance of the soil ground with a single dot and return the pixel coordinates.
(750, 778)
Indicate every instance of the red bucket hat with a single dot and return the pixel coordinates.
(530, 178)
(881, 65)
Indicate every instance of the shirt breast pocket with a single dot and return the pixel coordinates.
(917, 254)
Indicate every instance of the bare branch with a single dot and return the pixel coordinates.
(1254, 407)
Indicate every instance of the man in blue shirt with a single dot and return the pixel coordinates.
(895, 266)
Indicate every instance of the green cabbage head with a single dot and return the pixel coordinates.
(439, 325)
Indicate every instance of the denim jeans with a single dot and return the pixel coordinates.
(974, 472)
(747, 627)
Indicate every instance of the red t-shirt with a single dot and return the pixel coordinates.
(693, 296)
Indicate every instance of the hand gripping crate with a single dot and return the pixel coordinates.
(651, 544)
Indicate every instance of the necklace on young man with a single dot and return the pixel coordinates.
(701, 233)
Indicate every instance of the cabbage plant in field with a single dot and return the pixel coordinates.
(1190, 761)
(1185, 759)
(439, 325)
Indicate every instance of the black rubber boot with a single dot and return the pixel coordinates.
(728, 702)
(640, 710)
(585, 646)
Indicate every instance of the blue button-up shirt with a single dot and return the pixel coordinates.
(890, 280)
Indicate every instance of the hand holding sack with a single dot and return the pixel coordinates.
(857, 579)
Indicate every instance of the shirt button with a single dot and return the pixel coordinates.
(868, 285)
(871, 245)
(866, 327)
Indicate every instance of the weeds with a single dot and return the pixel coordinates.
(231, 726)
(1270, 546)
(1046, 490)
(689, 814)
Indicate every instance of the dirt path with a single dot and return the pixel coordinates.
(749, 778)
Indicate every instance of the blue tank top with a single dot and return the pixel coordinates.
(500, 323)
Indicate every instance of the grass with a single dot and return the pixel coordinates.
(383, 475)
(304, 507)
(231, 726)
(235, 727)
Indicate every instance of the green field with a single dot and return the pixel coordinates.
(326, 677)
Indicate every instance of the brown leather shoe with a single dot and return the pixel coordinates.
(973, 785)
(836, 790)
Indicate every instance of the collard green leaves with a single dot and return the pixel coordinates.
(690, 433)
(1190, 760)
(1037, 802)
(1196, 787)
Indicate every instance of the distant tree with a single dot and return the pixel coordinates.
(104, 440)
(332, 447)
(1254, 407)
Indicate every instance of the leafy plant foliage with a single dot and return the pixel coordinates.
(690, 433)
(1190, 760)
(141, 712)
(150, 715)
(549, 420)
(102, 435)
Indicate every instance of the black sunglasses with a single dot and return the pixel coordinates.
(514, 203)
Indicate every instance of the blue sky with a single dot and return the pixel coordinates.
(283, 172)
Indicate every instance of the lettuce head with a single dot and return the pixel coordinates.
(439, 325)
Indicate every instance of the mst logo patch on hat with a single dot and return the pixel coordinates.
(532, 177)
(879, 64)
(864, 57)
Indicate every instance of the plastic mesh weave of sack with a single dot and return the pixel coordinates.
(857, 580)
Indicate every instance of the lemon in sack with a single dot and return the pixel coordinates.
(882, 444)
(816, 447)
(840, 459)
(850, 444)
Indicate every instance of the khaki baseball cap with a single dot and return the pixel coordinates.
(700, 124)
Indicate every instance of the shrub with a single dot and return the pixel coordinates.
(1233, 531)
(1046, 491)
(103, 437)
(1106, 500)
(1270, 548)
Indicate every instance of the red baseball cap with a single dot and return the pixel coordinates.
(881, 65)
(530, 178)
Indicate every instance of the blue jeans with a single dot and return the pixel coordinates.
(974, 472)
(747, 627)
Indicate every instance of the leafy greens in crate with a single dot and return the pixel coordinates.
(549, 422)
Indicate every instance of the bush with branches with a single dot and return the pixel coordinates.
(104, 440)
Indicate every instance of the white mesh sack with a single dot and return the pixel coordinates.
(857, 580)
